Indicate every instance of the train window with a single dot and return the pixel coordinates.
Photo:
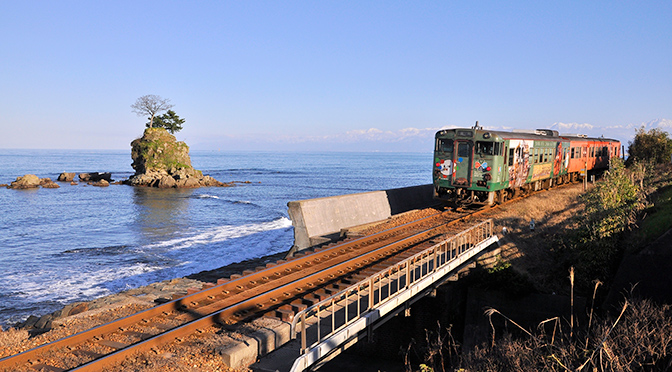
(463, 149)
(572, 156)
(511, 156)
(485, 148)
(534, 155)
(498, 148)
(444, 145)
(546, 155)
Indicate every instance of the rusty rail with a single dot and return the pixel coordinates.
(332, 315)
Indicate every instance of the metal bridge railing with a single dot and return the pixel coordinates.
(333, 314)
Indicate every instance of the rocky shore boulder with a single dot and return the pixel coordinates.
(29, 181)
(47, 183)
(161, 161)
(101, 183)
(95, 177)
(66, 177)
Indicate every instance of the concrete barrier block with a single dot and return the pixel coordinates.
(317, 221)
(241, 353)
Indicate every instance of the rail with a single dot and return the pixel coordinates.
(332, 315)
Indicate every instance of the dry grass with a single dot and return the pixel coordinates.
(639, 338)
(531, 253)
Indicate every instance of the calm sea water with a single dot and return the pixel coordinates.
(79, 242)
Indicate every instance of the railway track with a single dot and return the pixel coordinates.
(280, 289)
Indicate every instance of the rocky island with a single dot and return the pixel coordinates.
(159, 160)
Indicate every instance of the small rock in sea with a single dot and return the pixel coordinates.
(47, 183)
(29, 181)
(73, 183)
(50, 185)
(66, 177)
(101, 183)
(95, 176)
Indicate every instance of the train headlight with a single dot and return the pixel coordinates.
(486, 135)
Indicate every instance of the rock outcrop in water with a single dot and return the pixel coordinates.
(95, 177)
(66, 177)
(161, 161)
(31, 181)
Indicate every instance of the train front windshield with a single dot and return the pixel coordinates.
(485, 148)
(444, 145)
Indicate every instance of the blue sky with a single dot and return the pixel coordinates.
(330, 75)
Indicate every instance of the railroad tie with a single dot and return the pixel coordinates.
(112, 344)
(310, 299)
(87, 353)
(358, 277)
(298, 305)
(285, 313)
(321, 294)
(46, 368)
(140, 335)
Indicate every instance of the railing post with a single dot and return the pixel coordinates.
(370, 293)
(408, 274)
(317, 314)
(359, 300)
(303, 333)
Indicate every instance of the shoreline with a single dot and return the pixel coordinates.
(142, 297)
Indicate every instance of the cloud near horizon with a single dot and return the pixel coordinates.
(407, 139)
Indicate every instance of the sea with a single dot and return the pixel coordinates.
(77, 243)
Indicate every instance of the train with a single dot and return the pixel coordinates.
(475, 165)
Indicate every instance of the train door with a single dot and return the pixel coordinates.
(463, 156)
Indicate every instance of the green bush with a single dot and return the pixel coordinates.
(652, 146)
(613, 205)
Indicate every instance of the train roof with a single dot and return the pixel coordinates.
(536, 134)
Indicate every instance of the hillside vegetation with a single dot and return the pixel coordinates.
(621, 214)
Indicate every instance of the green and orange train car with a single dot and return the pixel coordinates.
(474, 165)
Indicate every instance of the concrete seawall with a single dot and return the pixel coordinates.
(320, 220)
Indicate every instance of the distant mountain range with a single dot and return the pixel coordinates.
(623, 133)
(411, 138)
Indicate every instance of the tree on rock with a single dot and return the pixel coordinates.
(170, 121)
(654, 146)
(151, 105)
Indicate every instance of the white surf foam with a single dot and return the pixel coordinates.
(222, 233)
(207, 196)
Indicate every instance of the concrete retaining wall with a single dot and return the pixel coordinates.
(319, 220)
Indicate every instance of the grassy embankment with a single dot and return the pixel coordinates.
(623, 213)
